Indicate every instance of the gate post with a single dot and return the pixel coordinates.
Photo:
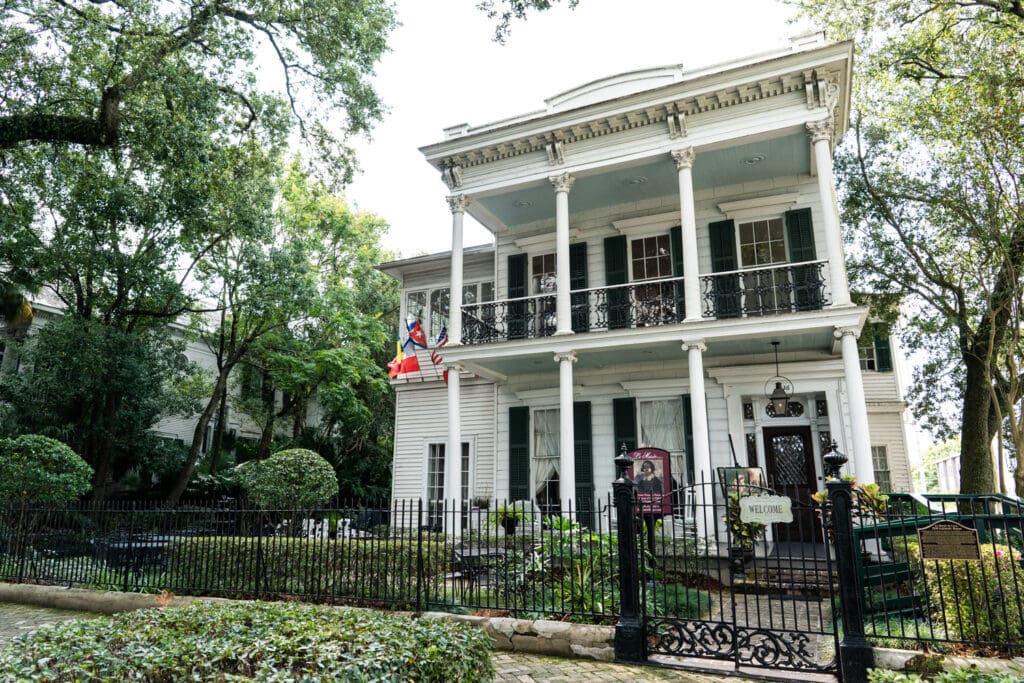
(855, 653)
(629, 632)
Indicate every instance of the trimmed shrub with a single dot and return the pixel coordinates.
(971, 600)
(41, 470)
(252, 642)
(291, 479)
(681, 601)
(955, 676)
(371, 569)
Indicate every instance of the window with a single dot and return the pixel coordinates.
(867, 356)
(543, 274)
(651, 258)
(661, 426)
(435, 481)
(546, 461)
(880, 460)
(762, 244)
(434, 316)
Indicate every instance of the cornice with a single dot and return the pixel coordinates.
(671, 106)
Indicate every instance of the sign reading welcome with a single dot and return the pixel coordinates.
(766, 509)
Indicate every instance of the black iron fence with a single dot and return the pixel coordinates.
(692, 578)
(766, 291)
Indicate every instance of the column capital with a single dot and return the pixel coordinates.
(841, 332)
(821, 131)
(452, 366)
(683, 157)
(694, 344)
(458, 202)
(563, 182)
(565, 355)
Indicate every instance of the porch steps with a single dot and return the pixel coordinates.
(791, 576)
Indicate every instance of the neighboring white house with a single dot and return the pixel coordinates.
(655, 232)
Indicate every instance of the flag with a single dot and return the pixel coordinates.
(442, 339)
(416, 334)
(395, 366)
(410, 364)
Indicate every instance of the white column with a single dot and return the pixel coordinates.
(863, 467)
(566, 434)
(562, 183)
(457, 203)
(699, 411)
(821, 139)
(453, 454)
(691, 278)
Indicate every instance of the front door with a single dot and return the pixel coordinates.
(790, 461)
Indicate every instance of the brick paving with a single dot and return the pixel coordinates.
(511, 667)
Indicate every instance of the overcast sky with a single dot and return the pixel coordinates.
(444, 69)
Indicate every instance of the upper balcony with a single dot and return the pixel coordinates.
(786, 288)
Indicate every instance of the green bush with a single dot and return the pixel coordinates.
(971, 600)
(291, 479)
(372, 569)
(252, 642)
(957, 676)
(42, 470)
(673, 599)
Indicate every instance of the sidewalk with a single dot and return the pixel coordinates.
(512, 667)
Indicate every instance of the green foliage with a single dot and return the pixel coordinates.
(742, 535)
(970, 600)
(961, 675)
(240, 566)
(931, 201)
(581, 565)
(505, 11)
(42, 470)
(291, 479)
(678, 600)
(252, 642)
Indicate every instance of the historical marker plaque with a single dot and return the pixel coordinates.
(948, 540)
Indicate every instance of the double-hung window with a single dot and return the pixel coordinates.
(545, 466)
(430, 307)
(661, 426)
(651, 259)
(435, 481)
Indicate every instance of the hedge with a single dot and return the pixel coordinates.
(252, 642)
(374, 569)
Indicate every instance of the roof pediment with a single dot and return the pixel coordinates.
(612, 87)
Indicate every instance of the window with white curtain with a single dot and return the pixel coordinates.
(546, 460)
(661, 426)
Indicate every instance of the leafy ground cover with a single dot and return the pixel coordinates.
(252, 642)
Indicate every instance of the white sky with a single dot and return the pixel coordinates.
(444, 69)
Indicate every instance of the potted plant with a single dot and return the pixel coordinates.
(508, 516)
(743, 535)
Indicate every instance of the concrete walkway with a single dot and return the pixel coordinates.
(512, 667)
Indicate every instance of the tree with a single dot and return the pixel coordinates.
(289, 480)
(41, 470)
(932, 200)
(505, 11)
(95, 74)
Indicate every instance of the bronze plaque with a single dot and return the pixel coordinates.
(948, 541)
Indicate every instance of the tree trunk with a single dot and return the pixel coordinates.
(218, 431)
(977, 474)
(197, 437)
(267, 394)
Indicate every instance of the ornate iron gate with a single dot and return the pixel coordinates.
(715, 585)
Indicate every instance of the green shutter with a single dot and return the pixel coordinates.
(583, 453)
(725, 290)
(579, 304)
(519, 453)
(624, 423)
(676, 240)
(807, 290)
(616, 272)
(517, 311)
(688, 438)
(883, 350)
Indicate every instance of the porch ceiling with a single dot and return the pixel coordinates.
(782, 156)
(745, 351)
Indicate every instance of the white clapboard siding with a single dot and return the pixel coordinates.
(888, 429)
(421, 418)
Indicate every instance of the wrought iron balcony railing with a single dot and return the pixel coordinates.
(635, 304)
(648, 303)
(766, 291)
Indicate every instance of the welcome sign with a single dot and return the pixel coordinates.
(766, 509)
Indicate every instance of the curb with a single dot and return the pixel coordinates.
(539, 637)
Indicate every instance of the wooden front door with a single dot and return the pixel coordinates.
(790, 464)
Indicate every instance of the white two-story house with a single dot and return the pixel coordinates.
(666, 251)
